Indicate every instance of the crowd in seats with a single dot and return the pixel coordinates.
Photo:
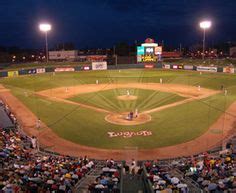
(108, 180)
(162, 180)
(24, 169)
(212, 173)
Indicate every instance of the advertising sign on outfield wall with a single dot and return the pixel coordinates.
(12, 73)
(166, 66)
(176, 66)
(31, 71)
(3, 74)
(228, 70)
(40, 70)
(85, 68)
(64, 70)
(99, 65)
(149, 66)
(188, 67)
(206, 69)
(26, 71)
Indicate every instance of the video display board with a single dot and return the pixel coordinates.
(149, 52)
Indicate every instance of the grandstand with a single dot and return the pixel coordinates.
(27, 167)
(89, 105)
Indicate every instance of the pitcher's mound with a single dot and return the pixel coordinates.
(127, 97)
(121, 119)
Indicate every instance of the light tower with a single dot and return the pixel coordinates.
(45, 27)
(204, 25)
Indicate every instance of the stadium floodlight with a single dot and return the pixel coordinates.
(204, 25)
(45, 27)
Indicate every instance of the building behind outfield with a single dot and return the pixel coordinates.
(232, 52)
(68, 55)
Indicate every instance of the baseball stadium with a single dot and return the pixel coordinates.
(117, 96)
(129, 113)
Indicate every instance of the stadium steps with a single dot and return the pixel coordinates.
(83, 184)
(132, 184)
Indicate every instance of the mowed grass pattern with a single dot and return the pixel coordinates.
(146, 99)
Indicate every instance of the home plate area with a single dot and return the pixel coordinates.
(126, 119)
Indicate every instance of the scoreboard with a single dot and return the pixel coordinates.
(149, 52)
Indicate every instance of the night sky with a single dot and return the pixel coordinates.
(102, 23)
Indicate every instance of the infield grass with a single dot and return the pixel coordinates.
(146, 99)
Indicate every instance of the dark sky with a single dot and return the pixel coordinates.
(102, 23)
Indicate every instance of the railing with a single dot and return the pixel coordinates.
(122, 177)
(146, 182)
(192, 185)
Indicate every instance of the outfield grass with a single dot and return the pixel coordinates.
(170, 126)
(48, 80)
(184, 61)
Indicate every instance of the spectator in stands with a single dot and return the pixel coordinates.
(108, 179)
(162, 180)
(212, 173)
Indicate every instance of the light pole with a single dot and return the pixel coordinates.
(204, 25)
(45, 27)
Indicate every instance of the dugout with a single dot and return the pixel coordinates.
(5, 121)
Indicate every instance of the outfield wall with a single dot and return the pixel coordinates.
(103, 66)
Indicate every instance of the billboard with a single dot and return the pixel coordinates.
(206, 68)
(149, 66)
(63, 55)
(177, 66)
(149, 51)
(158, 50)
(99, 65)
(69, 69)
(188, 67)
(228, 70)
(3, 74)
(140, 50)
(96, 58)
(139, 58)
(27, 71)
(85, 68)
(149, 58)
(166, 66)
(40, 70)
(12, 73)
(31, 71)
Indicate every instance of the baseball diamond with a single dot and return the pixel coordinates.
(77, 114)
